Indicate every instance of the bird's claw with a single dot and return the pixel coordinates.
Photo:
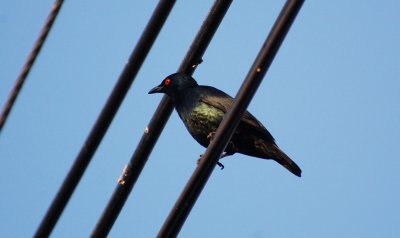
(210, 136)
(218, 163)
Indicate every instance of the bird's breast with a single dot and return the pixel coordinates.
(202, 120)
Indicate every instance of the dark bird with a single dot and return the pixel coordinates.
(202, 108)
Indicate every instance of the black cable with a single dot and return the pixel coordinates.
(195, 185)
(19, 82)
(158, 121)
(99, 129)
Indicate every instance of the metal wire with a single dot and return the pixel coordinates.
(106, 116)
(195, 185)
(139, 158)
(19, 82)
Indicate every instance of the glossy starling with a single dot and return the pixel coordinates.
(202, 108)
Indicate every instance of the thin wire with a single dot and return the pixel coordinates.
(139, 158)
(195, 185)
(19, 82)
(106, 116)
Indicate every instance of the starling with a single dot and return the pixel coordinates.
(202, 108)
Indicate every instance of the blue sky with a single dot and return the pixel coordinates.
(331, 100)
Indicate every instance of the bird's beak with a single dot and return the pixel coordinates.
(157, 89)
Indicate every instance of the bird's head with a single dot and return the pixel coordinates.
(174, 83)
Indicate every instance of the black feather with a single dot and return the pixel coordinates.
(202, 108)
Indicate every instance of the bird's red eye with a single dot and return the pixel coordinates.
(167, 82)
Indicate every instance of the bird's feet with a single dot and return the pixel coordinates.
(229, 147)
(218, 163)
(210, 136)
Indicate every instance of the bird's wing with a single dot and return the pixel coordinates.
(219, 99)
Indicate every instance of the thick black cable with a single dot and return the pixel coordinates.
(19, 82)
(195, 185)
(106, 116)
(158, 121)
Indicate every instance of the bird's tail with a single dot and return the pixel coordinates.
(285, 161)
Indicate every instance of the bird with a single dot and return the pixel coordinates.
(202, 108)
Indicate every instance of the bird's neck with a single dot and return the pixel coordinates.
(185, 100)
(176, 97)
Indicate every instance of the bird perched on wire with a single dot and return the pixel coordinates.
(202, 108)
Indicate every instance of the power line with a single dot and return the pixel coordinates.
(106, 116)
(19, 82)
(195, 185)
(158, 121)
